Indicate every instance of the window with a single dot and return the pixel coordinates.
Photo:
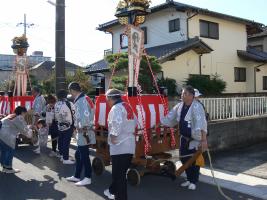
(209, 29)
(264, 82)
(145, 34)
(124, 41)
(95, 78)
(174, 25)
(240, 74)
(258, 47)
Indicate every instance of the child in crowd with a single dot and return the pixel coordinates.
(42, 136)
(52, 124)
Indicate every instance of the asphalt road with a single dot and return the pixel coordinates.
(42, 177)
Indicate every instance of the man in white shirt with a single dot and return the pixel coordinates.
(121, 139)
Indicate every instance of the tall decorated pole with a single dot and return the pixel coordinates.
(20, 46)
(132, 13)
(60, 45)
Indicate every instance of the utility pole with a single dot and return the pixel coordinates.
(25, 25)
(60, 45)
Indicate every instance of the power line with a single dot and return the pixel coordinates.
(25, 25)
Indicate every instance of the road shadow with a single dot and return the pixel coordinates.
(13, 186)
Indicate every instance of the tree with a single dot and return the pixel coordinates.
(208, 86)
(170, 84)
(145, 77)
(49, 84)
(81, 78)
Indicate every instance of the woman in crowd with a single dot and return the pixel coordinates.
(11, 128)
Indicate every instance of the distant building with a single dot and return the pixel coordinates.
(259, 41)
(7, 63)
(43, 70)
(190, 41)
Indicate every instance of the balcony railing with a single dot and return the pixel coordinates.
(233, 108)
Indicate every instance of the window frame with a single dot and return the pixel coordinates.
(209, 23)
(174, 28)
(264, 80)
(144, 28)
(238, 77)
(121, 41)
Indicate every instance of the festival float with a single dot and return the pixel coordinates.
(20, 74)
(153, 143)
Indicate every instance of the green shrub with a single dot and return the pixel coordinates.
(213, 85)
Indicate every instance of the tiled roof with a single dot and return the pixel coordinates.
(253, 54)
(49, 65)
(165, 52)
(6, 69)
(162, 52)
(99, 66)
(184, 7)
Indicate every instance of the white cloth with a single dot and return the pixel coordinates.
(12, 128)
(63, 115)
(123, 129)
(195, 116)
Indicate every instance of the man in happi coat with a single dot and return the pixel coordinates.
(190, 116)
(121, 140)
(84, 121)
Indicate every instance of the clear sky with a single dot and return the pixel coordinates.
(84, 44)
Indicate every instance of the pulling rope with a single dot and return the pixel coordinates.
(173, 142)
(214, 178)
(147, 145)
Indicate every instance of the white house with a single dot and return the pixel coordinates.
(189, 40)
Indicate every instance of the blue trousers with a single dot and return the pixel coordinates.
(192, 172)
(7, 154)
(64, 138)
(83, 162)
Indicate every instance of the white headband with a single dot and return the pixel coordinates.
(113, 95)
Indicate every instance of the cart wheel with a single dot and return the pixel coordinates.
(170, 167)
(98, 166)
(133, 177)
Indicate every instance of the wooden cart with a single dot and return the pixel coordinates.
(157, 161)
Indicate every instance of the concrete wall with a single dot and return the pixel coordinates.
(157, 29)
(237, 133)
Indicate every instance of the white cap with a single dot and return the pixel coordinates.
(197, 93)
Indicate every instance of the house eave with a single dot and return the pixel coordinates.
(184, 7)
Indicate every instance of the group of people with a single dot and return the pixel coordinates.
(62, 118)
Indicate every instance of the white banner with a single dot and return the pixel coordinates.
(135, 51)
(21, 75)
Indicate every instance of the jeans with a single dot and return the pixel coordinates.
(120, 165)
(7, 154)
(83, 161)
(64, 138)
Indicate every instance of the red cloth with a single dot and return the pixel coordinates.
(90, 102)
